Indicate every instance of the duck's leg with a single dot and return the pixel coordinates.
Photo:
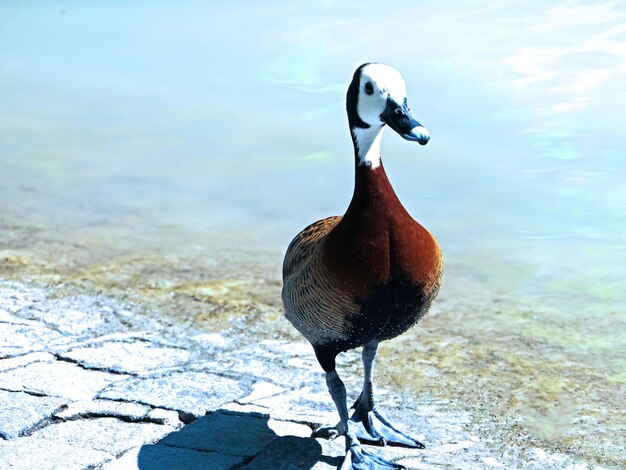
(370, 424)
(356, 458)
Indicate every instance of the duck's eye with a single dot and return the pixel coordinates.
(369, 88)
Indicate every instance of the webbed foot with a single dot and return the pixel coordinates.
(373, 427)
(358, 458)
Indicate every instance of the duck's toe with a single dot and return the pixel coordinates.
(373, 427)
(357, 458)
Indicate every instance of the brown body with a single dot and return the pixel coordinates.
(367, 276)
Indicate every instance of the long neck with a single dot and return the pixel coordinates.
(373, 193)
(366, 143)
(372, 189)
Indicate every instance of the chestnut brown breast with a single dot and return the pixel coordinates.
(369, 275)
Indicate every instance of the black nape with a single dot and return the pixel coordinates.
(352, 100)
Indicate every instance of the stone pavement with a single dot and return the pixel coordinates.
(87, 382)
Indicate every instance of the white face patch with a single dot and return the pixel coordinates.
(382, 81)
(378, 82)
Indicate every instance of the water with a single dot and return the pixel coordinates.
(180, 147)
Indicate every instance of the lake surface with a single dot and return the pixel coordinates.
(162, 146)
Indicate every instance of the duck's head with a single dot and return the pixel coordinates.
(377, 96)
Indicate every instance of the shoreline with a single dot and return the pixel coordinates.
(141, 377)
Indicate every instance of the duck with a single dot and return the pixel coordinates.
(368, 276)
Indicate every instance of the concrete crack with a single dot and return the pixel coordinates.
(28, 392)
(62, 358)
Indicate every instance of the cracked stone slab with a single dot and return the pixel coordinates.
(127, 411)
(260, 368)
(159, 457)
(6, 317)
(278, 380)
(238, 434)
(293, 356)
(291, 452)
(282, 348)
(333, 451)
(433, 458)
(16, 339)
(36, 453)
(311, 404)
(78, 315)
(137, 357)
(21, 361)
(57, 378)
(289, 428)
(211, 340)
(20, 411)
(14, 296)
(262, 390)
(104, 408)
(127, 461)
(191, 392)
(168, 417)
(443, 426)
(109, 435)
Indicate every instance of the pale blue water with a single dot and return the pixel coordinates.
(215, 118)
(194, 128)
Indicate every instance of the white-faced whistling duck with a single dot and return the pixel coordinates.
(368, 276)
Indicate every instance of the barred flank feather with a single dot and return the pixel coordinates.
(314, 303)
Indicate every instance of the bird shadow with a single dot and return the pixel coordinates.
(228, 440)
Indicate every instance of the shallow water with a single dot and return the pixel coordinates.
(174, 150)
